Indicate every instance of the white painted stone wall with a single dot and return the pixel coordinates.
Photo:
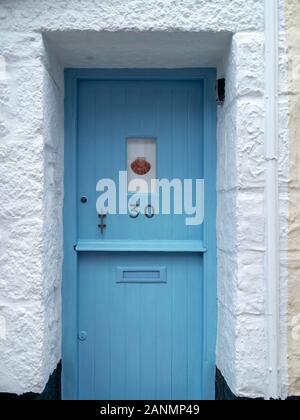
(53, 104)
(242, 349)
(241, 289)
(31, 173)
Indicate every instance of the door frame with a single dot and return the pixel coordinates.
(69, 286)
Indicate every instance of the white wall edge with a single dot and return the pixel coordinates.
(272, 196)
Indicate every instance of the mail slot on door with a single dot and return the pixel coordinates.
(141, 275)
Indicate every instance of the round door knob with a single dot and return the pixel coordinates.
(82, 335)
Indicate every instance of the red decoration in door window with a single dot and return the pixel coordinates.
(141, 166)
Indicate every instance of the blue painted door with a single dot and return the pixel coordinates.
(141, 308)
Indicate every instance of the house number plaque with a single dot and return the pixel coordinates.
(149, 211)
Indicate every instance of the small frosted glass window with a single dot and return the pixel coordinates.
(141, 161)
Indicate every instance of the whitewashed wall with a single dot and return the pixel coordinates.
(31, 155)
(241, 175)
(53, 131)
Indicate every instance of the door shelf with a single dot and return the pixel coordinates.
(139, 246)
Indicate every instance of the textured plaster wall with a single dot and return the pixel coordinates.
(140, 15)
(53, 203)
(31, 154)
(29, 264)
(21, 209)
(293, 44)
(242, 349)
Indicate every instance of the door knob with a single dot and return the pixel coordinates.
(102, 225)
(82, 335)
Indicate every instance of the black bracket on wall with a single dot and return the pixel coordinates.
(221, 84)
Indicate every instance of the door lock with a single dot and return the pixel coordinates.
(102, 225)
(82, 335)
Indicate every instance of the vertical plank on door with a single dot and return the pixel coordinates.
(87, 324)
(102, 320)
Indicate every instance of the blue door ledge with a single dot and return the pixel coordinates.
(193, 246)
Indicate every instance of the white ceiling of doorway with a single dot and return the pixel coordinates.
(139, 49)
